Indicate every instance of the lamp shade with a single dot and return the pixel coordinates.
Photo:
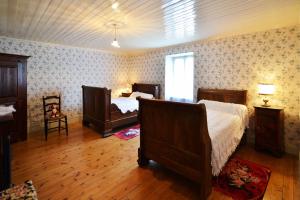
(266, 88)
(115, 43)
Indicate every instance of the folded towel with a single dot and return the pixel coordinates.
(5, 110)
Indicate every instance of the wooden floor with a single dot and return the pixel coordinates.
(86, 166)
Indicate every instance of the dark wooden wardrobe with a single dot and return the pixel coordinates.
(13, 91)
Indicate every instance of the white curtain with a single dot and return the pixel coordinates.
(179, 77)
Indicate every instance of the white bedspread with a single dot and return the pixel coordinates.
(226, 124)
(126, 104)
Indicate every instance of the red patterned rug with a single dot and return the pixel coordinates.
(242, 179)
(128, 133)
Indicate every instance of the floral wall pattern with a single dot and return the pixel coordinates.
(54, 69)
(240, 62)
(237, 62)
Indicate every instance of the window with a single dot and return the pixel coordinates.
(179, 77)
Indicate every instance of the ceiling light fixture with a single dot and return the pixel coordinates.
(115, 43)
(115, 5)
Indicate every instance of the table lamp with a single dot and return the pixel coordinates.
(265, 90)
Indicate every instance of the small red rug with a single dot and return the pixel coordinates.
(242, 179)
(128, 133)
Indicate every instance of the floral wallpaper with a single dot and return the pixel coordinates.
(240, 62)
(237, 62)
(54, 69)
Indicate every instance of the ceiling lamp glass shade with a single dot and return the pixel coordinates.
(115, 5)
(115, 43)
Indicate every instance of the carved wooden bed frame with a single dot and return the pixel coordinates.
(98, 110)
(176, 135)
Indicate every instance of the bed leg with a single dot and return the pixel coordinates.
(106, 133)
(142, 160)
(85, 123)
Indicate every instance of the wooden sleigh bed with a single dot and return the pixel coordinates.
(105, 116)
(176, 135)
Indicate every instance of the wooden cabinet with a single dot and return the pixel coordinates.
(13, 91)
(125, 94)
(6, 125)
(269, 129)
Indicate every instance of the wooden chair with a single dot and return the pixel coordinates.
(48, 103)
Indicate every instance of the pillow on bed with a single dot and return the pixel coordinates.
(141, 94)
(231, 108)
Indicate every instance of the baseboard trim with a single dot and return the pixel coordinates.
(39, 126)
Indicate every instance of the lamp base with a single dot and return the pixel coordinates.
(265, 103)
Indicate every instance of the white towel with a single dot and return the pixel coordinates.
(5, 110)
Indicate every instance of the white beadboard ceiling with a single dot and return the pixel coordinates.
(146, 23)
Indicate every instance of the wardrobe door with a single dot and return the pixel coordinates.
(13, 91)
(22, 101)
(9, 91)
(8, 79)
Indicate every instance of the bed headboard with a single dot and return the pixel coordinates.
(228, 96)
(153, 89)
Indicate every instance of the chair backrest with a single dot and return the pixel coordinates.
(49, 102)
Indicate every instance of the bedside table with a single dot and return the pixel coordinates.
(269, 129)
(125, 94)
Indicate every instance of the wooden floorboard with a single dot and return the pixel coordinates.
(86, 166)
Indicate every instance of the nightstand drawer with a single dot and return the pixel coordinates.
(266, 125)
(266, 113)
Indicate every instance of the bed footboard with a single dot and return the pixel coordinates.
(176, 136)
(96, 108)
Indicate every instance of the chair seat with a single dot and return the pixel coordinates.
(50, 118)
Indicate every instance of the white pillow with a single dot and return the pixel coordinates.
(231, 108)
(141, 94)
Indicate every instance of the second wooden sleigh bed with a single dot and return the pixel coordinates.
(176, 135)
(98, 110)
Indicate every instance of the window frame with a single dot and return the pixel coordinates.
(169, 63)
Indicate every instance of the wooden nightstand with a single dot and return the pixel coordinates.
(125, 94)
(269, 129)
